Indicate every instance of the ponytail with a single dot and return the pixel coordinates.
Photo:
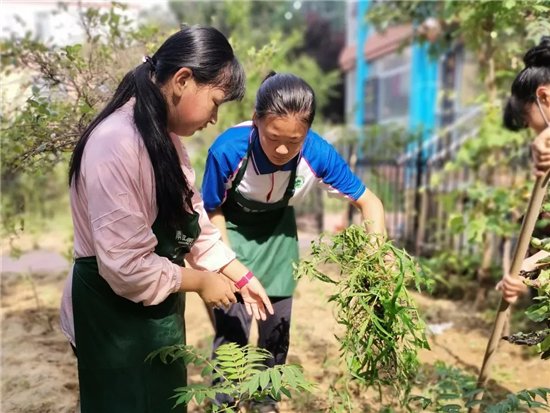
(208, 54)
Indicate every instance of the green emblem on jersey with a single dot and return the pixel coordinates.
(299, 182)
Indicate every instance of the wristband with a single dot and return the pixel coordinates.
(243, 281)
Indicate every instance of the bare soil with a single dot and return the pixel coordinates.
(39, 370)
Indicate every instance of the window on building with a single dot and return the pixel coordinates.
(393, 92)
(388, 89)
(371, 107)
(459, 85)
(350, 95)
(468, 81)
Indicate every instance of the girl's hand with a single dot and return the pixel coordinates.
(511, 287)
(541, 152)
(256, 300)
(215, 291)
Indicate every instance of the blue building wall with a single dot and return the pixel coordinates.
(423, 91)
(362, 70)
(423, 82)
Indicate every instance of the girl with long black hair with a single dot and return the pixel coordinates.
(137, 215)
(529, 107)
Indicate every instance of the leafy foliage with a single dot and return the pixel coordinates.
(446, 393)
(518, 402)
(383, 329)
(451, 270)
(31, 204)
(67, 84)
(539, 312)
(496, 31)
(228, 15)
(495, 196)
(453, 391)
(62, 87)
(492, 191)
(240, 373)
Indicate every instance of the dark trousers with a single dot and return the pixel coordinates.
(233, 326)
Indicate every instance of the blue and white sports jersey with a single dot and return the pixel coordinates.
(318, 164)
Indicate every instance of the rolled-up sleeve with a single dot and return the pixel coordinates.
(123, 239)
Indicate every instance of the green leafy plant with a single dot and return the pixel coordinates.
(239, 372)
(495, 35)
(383, 330)
(452, 390)
(517, 402)
(539, 312)
(55, 90)
(63, 86)
(445, 391)
(493, 196)
(451, 271)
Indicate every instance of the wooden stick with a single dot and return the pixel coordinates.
(527, 227)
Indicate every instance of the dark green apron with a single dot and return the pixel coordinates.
(263, 235)
(114, 336)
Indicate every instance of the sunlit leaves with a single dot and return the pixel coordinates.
(499, 30)
(539, 311)
(383, 330)
(70, 83)
(239, 372)
(454, 390)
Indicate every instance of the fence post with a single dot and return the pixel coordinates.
(417, 195)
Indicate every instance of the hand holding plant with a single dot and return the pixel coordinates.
(513, 287)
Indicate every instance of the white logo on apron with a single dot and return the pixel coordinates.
(184, 240)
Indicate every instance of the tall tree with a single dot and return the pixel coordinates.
(63, 87)
(497, 34)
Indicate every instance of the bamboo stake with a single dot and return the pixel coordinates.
(527, 227)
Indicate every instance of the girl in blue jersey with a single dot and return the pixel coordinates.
(255, 173)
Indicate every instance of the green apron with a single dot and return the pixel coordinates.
(114, 336)
(264, 236)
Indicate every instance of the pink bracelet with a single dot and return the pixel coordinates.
(243, 281)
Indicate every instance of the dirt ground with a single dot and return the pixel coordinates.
(39, 370)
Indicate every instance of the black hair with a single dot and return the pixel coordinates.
(524, 87)
(283, 94)
(209, 55)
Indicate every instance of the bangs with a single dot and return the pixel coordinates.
(232, 81)
(514, 115)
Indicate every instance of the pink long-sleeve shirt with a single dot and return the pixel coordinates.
(113, 212)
